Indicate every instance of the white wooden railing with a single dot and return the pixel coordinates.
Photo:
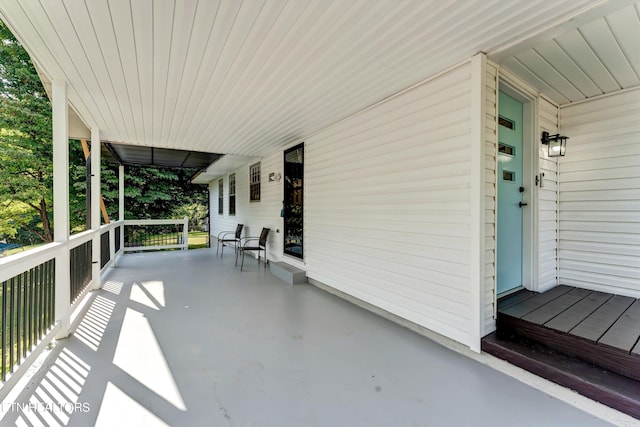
(21, 272)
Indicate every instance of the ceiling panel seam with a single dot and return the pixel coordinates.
(63, 75)
(599, 59)
(564, 78)
(107, 105)
(204, 94)
(198, 75)
(239, 75)
(621, 48)
(229, 115)
(584, 73)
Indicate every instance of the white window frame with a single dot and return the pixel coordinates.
(254, 180)
(221, 196)
(232, 194)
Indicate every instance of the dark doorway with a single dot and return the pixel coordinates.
(293, 200)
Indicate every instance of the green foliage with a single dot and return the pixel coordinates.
(25, 142)
(26, 172)
(77, 187)
(157, 193)
(196, 212)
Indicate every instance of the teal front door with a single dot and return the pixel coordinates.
(510, 194)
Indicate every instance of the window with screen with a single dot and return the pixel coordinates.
(254, 182)
(232, 194)
(220, 196)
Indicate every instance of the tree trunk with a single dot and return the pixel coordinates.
(46, 225)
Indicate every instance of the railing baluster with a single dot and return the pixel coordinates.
(19, 316)
(12, 318)
(34, 273)
(41, 308)
(25, 307)
(4, 330)
(52, 293)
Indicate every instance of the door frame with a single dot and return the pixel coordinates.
(530, 160)
(299, 257)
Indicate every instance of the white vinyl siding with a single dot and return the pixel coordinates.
(547, 200)
(255, 216)
(387, 205)
(599, 244)
(490, 190)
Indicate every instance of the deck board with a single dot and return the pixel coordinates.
(595, 326)
(518, 297)
(569, 319)
(553, 308)
(624, 333)
(527, 306)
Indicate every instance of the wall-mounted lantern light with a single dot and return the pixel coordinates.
(557, 144)
(275, 176)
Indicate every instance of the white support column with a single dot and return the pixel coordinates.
(185, 234)
(60, 115)
(121, 193)
(121, 204)
(95, 206)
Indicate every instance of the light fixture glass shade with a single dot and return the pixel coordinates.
(557, 147)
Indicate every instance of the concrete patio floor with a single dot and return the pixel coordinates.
(186, 339)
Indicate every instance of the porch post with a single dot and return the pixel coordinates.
(95, 206)
(121, 193)
(60, 118)
(121, 202)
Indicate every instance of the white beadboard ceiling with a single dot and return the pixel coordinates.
(249, 77)
(589, 57)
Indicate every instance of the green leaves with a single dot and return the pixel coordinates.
(25, 143)
(26, 165)
(152, 192)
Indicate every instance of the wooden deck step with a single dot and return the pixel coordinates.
(597, 327)
(606, 387)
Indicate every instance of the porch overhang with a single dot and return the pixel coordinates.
(247, 78)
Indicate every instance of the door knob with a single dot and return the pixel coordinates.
(521, 204)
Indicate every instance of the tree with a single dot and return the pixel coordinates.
(26, 172)
(152, 192)
(25, 143)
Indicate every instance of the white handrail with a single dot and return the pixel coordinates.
(16, 264)
(80, 238)
(155, 221)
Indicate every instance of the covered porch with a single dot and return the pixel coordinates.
(185, 338)
(397, 124)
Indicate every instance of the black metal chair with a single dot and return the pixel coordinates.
(223, 237)
(249, 244)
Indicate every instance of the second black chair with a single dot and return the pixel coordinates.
(223, 237)
(254, 244)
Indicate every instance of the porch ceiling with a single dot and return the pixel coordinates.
(596, 53)
(248, 77)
